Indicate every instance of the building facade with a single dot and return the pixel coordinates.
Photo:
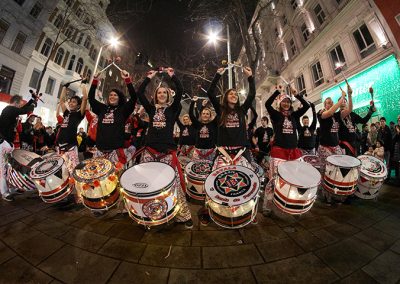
(308, 42)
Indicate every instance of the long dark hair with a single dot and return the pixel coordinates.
(225, 109)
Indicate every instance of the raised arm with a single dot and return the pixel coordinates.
(179, 89)
(328, 113)
(273, 113)
(192, 116)
(84, 99)
(252, 89)
(97, 106)
(363, 120)
(349, 108)
(130, 105)
(62, 97)
(254, 119)
(314, 117)
(305, 106)
(211, 91)
(141, 91)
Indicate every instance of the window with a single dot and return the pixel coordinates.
(3, 29)
(94, 52)
(59, 56)
(102, 62)
(319, 13)
(50, 86)
(292, 47)
(282, 58)
(318, 76)
(46, 47)
(79, 12)
(284, 20)
(364, 41)
(71, 62)
(294, 4)
(20, 2)
(305, 32)
(87, 43)
(6, 79)
(338, 1)
(87, 20)
(58, 21)
(68, 31)
(276, 32)
(18, 43)
(36, 9)
(101, 4)
(301, 86)
(337, 58)
(89, 73)
(79, 66)
(80, 38)
(34, 79)
(68, 2)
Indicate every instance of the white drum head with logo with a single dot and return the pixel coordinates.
(300, 174)
(24, 157)
(147, 178)
(232, 185)
(344, 161)
(372, 167)
(47, 167)
(199, 169)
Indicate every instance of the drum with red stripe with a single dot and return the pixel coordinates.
(296, 187)
(97, 182)
(196, 174)
(312, 160)
(150, 194)
(232, 196)
(21, 162)
(341, 174)
(183, 161)
(372, 175)
(52, 179)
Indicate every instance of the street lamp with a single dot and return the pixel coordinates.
(113, 42)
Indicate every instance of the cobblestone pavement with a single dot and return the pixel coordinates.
(357, 243)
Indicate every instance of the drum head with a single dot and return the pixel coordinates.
(372, 167)
(199, 169)
(311, 159)
(147, 178)
(47, 167)
(93, 169)
(300, 174)
(343, 161)
(24, 157)
(232, 185)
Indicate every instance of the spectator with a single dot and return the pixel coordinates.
(27, 133)
(372, 135)
(39, 132)
(392, 130)
(370, 151)
(82, 137)
(364, 138)
(379, 151)
(396, 152)
(50, 137)
(385, 136)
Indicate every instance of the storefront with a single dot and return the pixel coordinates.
(384, 77)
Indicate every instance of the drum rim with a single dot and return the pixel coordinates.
(299, 186)
(381, 176)
(30, 153)
(33, 175)
(102, 177)
(330, 162)
(194, 175)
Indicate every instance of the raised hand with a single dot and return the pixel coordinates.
(170, 71)
(221, 71)
(349, 89)
(151, 74)
(124, 74)
(247, 71)
(195, 98)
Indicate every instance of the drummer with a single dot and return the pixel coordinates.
(285, 129)
(187, 138)
(159, 142)
(8, 122)
(262, 138)
(111, 121)
(329, 126)
(307, 134)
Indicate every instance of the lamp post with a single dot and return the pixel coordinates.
(113, 42)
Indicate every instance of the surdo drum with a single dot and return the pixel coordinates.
(296, 187)
(232, 195)
(97, 181)
(183, 161)
(150, 194)
(313, 160)
(196, 174)
(341, 174)
(372, 175)
(52, 179)
(21, 162)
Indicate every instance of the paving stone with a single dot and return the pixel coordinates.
(390, 225)
(33, 219)
(384, 268)
(167, 238)
(377, 214)
(52, 228)
(121, 249)
(134, 273)
(179, 257)
(396, 247)
(305, 268)
(307, 241)
(84, 239)
(211, 276)
(342, 231)
(18, 270)
(342, 213)
(74, 265)
(347, 256)
(128, 232)
(17, 232)
(5, 253)
(376, 239)
(7, 208)
(317, 222)
(93, 225)
(361, 222)
(216, 238)
(278, 249)
(358, 277)
(66, 217)
(253, 234)
(13, 216)
(325, 236)
(38, 248)
(230, 256)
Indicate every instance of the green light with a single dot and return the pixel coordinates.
(384, 77)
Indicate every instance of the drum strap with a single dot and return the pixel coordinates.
(185, 153)
(228, 159)
(348, 146)
(121, 155)
(207, 154)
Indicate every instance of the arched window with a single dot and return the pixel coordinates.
(46, 47)
(102, 62)
(59, 56)
(94, 53)
(69, 31)
(79, 66)
(89, 73)
(88, 42)
(58, 21)
(80, 38)
(71, 62)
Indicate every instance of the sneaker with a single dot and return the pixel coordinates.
(8, 198)
(205, 219)
(189, 224)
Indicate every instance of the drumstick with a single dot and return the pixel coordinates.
(105, 68)
(117, 67)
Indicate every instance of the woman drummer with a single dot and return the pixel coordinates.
(159, 142)
(187, 138)
(111, 121)
(284, 123)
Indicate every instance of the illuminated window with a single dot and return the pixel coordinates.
(301, 86)
(318, 76)
(305, 32)
(338, 59)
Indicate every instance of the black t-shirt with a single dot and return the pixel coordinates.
(329, 128)
(206, 133)
(187, 134)
(307, 134)
(27, 133)
(68, 128)
(347, 126)
(264, 135)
